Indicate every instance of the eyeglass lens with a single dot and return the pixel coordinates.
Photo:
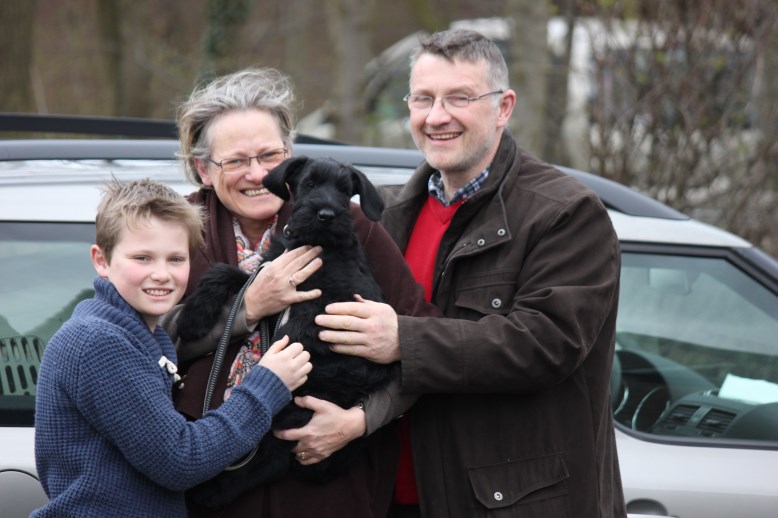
(268, 160)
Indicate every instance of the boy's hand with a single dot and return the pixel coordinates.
(290, 362)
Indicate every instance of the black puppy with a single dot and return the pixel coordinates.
(322, 191)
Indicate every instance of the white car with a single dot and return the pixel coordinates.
(695, 381)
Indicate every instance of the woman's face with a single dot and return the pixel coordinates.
(240, 134)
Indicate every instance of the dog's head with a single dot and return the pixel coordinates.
(322, 190)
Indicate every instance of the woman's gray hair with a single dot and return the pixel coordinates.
(466, 45)
(248, 89)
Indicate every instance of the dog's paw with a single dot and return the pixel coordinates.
(203, 307)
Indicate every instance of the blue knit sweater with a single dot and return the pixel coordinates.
(108, 441)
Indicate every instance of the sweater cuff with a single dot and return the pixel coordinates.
(263, 384)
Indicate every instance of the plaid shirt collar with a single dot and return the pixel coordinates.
(436, 190)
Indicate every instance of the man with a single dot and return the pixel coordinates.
(513, 413)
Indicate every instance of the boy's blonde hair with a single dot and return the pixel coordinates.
(128, 205)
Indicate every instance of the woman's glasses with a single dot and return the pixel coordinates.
(268, 160)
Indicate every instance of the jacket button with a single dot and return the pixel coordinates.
(496, 303)
(501, 232)
(497, 496)
(481, 242)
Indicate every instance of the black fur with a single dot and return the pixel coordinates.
(204, 305)
(322, 191)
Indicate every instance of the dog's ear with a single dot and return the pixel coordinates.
(369, 199)
(285, 173)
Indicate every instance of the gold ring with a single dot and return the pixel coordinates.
(301, 455)
(292, 283)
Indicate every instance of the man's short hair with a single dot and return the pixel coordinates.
(128, 205)
(466, 45)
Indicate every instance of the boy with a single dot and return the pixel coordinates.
(108, 441)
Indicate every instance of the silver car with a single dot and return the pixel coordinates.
(695, 381)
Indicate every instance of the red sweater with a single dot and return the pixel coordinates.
(422, 250)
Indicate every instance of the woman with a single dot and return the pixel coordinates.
(233, 131)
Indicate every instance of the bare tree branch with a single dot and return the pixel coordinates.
(675, 113)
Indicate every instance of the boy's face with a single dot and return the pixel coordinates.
(149, 267)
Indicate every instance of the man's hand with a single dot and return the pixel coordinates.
(362, 328)
(329, 430)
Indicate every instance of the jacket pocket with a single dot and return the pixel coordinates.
(530, 488)
(488, 295)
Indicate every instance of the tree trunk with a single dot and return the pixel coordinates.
(348, 25)
(529, 64)
(296, 45)
(112, 52)
(554, 149)
(16, 43)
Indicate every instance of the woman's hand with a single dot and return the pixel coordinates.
(329, 430)
(275, 287)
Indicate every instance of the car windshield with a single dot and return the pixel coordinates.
(696, 349)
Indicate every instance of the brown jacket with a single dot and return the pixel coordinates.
(515, 418)
(366, 490)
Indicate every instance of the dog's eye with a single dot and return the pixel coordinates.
(308, 185)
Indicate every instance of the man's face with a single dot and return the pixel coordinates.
(149, 266)
(457, 141)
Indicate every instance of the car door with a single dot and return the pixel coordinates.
(696, 371)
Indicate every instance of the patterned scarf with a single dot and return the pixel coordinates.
(248, 261)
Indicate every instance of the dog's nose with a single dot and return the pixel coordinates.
(326, 215)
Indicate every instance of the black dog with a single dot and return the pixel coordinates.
(322, 191)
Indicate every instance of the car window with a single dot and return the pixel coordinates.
(46, 272)
(697, 349)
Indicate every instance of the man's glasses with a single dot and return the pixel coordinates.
(268, 160)
(425, 102)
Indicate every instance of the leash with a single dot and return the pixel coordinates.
(224, 341)
(221, 350)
